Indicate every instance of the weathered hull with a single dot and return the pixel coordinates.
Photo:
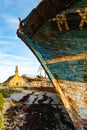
(60, 44)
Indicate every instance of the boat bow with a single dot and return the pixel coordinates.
(56, 32)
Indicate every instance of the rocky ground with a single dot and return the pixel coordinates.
(36, 111)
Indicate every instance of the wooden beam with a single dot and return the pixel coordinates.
(67, 58)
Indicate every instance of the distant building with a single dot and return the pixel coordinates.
(15, 80)
(24, 80)
(38, 81)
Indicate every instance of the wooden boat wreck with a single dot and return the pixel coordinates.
(56, 32)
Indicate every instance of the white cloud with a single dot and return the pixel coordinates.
(10, 23)
(4, 42)
(12, 20)
(11, 59)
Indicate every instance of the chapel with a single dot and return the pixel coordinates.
(15, 80)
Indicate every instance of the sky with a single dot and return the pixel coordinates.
(13, 51)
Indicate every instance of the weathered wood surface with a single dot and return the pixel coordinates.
(56, 32)
(41, 13)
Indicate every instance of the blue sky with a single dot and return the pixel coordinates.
(12, 50)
